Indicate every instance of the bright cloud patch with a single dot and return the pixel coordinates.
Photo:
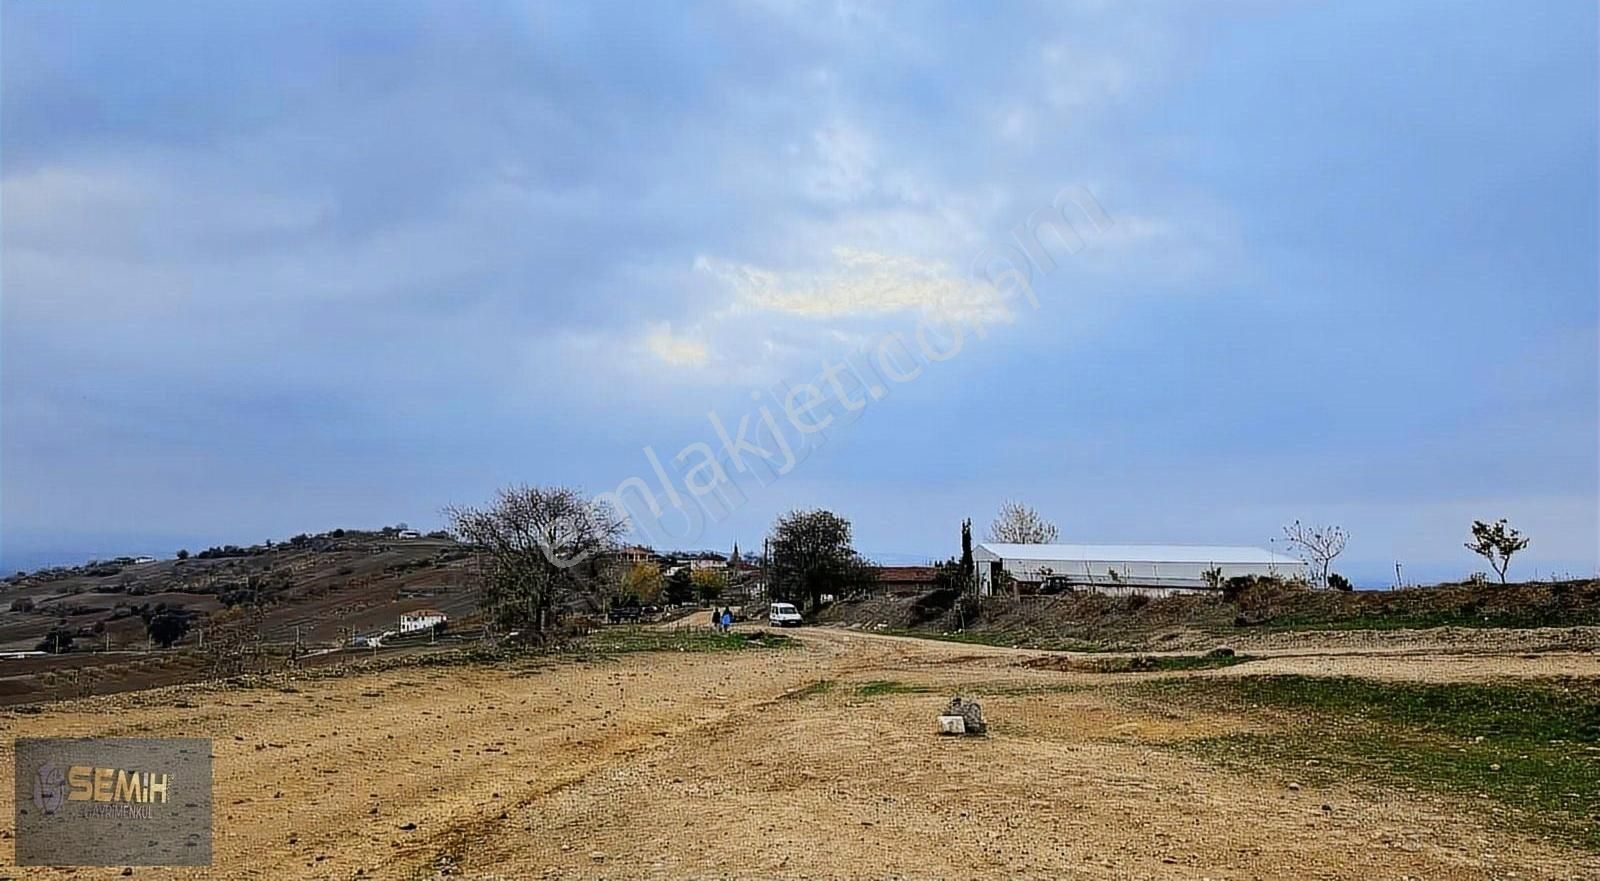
(864, 283)
(677, 350)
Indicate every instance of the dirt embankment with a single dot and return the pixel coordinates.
(1544, 615)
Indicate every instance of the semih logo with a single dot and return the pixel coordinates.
(116, 785)
(49, 788)
(107, 801)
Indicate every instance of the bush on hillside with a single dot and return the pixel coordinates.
(933, 604)
(57, 641)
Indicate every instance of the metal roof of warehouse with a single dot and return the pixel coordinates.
(1137, 553)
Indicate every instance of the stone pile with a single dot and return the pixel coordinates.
(962, 716)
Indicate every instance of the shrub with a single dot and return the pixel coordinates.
(1339, 582)
(22, 604)
(167, 626)
(933, 604)
(1237, 588)
(57, 641)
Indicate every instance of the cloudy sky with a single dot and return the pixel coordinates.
(283, 266)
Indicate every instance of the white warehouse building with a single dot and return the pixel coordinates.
(1156, 570)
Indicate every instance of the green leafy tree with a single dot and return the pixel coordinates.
(1496, 542)
(679, 587)
(812, 554)
(709, 584)
(643, 583)
(57, 641)
(166, 626)
(968, 567)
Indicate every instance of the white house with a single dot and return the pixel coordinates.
(1156, 570)
(421, 619)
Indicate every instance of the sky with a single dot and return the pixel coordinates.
(1168, 272)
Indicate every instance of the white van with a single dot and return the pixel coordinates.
(783, 615)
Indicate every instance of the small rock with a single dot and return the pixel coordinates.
(597, 856)
(1294, 787)
(971, 713)
(1495, 766)
(407, 827)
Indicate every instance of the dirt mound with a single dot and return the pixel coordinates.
(1098, 621)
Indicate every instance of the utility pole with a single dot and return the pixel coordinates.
(1398, 581)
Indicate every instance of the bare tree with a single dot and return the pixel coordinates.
(1021, 525)
(537, 548)
(1496, 542)
(1317, 546)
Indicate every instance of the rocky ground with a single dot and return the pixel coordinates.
(811, 762)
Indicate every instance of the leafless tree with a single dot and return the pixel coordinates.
(1317, 545)
(1496, 542)
(536, 549)
(1020, 524)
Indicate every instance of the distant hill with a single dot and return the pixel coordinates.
(327, 586)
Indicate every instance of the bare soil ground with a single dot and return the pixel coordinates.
(812, 762)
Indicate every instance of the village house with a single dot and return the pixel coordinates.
(421, 619)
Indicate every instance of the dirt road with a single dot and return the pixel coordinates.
(738, 765)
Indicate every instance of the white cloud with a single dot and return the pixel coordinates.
(677, 350)
(863, 283)
(774, 320)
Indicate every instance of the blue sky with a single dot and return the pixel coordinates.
(290, 266)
